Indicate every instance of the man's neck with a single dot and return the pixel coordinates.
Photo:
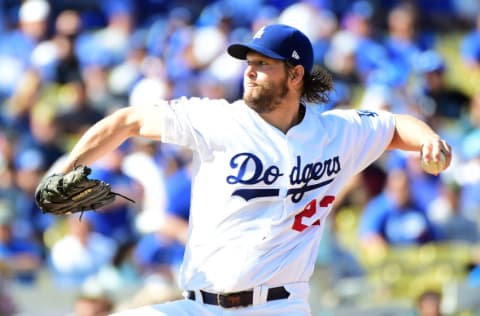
(285, 116)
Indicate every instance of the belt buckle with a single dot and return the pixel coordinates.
(229, 300)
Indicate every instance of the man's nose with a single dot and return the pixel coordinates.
(250, 71)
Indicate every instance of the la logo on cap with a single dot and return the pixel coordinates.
(295, 55)
(259, 33)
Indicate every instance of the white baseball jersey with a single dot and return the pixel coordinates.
(259, 196)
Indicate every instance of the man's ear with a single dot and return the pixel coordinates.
(296, 73)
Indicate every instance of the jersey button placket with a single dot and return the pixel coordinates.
(286, 165)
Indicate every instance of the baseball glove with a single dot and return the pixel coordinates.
(73, 192)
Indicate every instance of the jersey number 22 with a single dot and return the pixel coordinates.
(309, 210)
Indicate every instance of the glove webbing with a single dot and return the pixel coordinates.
(114, 193)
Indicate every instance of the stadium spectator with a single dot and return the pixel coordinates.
(68, 25)
(426, 186)
(178, 182)
(160, 255)
(468, 175)
(402, 42)
(93, 305)
(161, 252)
(370, 55)
(80, 253)
(140, 165)
(340, 60)
(446, 213)
(7, 149)
(473, 277)
(7, 305)
(29, 222)
(393, 219)
(116, 220)
(470, 46)
(21, 257)
(474, 113)
(77, 112)
(429, 304)
(437, 99)
(17, 44)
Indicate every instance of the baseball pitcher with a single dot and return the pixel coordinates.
(267, 170)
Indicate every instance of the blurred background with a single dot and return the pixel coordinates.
(399, 241)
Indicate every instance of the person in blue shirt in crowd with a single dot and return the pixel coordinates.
(473, 277)
(370, 55)
(404, 41)
(434, 92)
(80, 254)
(158, 254)
(470, 46)
(178, 185)
(17, 44)
(28, 222)
(469, 176)
(162, 251)
(22, 257)
(446, 213)
(427, 187)
(393, 219)
(116, 220)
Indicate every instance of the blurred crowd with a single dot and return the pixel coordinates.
(64, 64)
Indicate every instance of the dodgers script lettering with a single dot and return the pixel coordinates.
(250, 170)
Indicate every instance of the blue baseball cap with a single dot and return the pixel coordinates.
(278, 41)
(429, 61)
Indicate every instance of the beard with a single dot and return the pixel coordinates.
(266, 97)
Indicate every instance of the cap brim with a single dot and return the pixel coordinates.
(240, 51)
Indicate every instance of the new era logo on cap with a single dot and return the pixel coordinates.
(295, 55)
(278, 41)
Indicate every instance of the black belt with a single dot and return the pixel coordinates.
(244, 298)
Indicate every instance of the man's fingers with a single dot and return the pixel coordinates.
(426, 152)
(447, 151)
(436, 149)
(433, 149)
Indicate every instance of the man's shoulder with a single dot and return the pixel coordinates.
(217, 106)
(184, 100)
(337, 112)
(358, 116)
(336, 116)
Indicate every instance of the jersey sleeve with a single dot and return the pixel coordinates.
(364, 135)
(194, 123)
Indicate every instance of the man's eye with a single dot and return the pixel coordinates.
(256, 63)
